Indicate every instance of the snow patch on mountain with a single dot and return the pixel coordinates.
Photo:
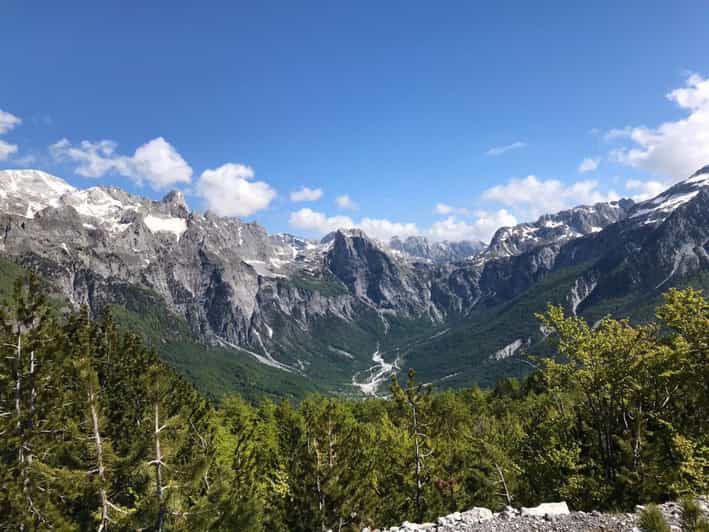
(657, 209)
(666, 203)
(580, 291)
(98, 204)
(26, 192)
(555, 228)
(508, 350)
(176, 226)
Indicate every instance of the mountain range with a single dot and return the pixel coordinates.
(237, 309)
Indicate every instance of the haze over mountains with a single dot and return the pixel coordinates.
(234, 307)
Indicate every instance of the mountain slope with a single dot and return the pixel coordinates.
(344, 313)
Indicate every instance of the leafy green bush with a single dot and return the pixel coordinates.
(652, 520)
(692, 520)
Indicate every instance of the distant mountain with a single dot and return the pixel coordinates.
(555, 228)
(233, 307)
(418, 247)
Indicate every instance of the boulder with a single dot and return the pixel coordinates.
(476, 515)
(546, 509)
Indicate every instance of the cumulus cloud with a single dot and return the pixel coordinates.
(156, 162)
(317, 222)
(642, 190)
(379, 228)
(345, 202)
(6, 150)
(230, 191)
(451, 228)
(444, 209)
(160, 165)
(384, 230)
(306, 194)
(481, 228)
(499, 150)
(588, 165)
(8, 121)
(672, 149)
(535, 197)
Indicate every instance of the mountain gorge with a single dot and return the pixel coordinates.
(236, 308)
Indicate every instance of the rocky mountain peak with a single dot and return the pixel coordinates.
(343, 234)
(656, 210)
(557, 228)
(26, 192)
(175, 200)
(419, 247)
(702, 171)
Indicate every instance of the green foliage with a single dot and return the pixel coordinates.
(326, 284)
(692, 518)
(97, 431)
(652, 520)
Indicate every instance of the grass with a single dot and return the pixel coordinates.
(327, 284)
(9, 273)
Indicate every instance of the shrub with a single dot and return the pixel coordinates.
(652, 520)
(692, 520)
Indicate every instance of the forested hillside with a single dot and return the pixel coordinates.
(96, 433)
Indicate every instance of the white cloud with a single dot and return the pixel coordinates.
(317, 222)
(345, 202)
(481, 228)
(6, 150)
(321, 224)
(588, 165)
(160, 165)
(536, 197)
(8, 121)
(156, 161)
(444, 209)
(384, 230)
(643, 190)
(451, 228)
(306, 194)
(672, 149)
(230, 191)
(499, 150)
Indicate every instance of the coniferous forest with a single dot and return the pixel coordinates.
(96, 433)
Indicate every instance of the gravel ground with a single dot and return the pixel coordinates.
(482, 520)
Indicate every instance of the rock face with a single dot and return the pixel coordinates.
(557, 228)
(419, 248)
(298, 305)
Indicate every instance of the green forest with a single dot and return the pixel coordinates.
(97, 433)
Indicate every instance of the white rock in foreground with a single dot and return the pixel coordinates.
(547, 508)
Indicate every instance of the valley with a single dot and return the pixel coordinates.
(237, 309)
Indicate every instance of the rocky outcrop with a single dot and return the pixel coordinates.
(547, 517)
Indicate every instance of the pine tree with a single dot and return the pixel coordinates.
(414, 400)
(30, 411)
(92, 449)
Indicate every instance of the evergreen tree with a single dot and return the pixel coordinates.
(31, 398)
(414, 402)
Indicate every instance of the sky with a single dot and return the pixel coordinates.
(445, 119)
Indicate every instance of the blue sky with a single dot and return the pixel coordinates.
(399, 106)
